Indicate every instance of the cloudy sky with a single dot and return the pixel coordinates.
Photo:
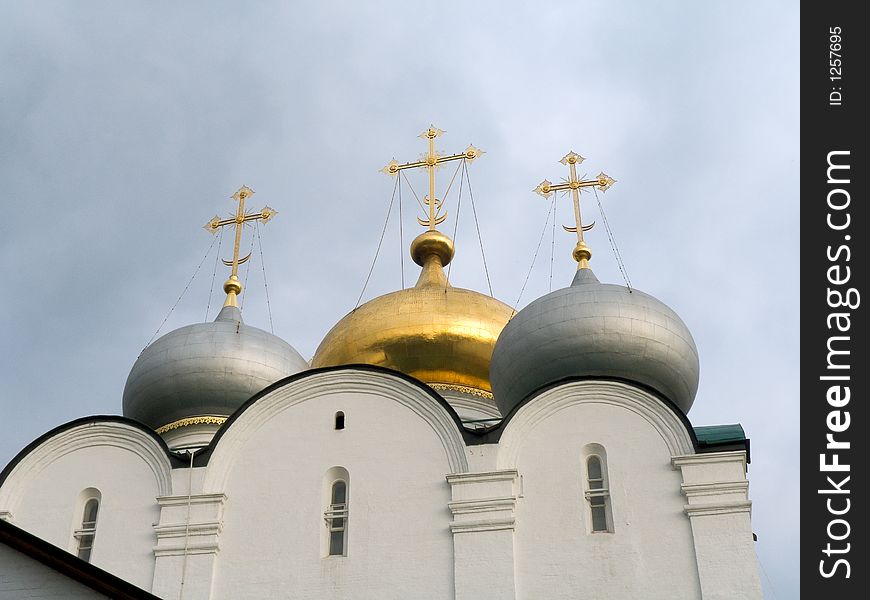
(126, 126)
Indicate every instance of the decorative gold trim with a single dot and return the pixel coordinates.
(450, 387)
(206, 420)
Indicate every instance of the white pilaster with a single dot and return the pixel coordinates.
(483, 507)
(188, 536)
(718, 507)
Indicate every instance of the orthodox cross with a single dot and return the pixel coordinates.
(603, 182)
(431, 160)
(233, 287)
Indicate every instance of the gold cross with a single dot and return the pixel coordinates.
(430, 161)
(232, 286)
(603, 182)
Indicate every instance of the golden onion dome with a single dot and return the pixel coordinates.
(442, 335)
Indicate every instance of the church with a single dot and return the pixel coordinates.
(439, 444)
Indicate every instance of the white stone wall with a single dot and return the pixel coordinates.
(399, 543)
(649, 553)
(718, 507)
(429, 516)
(128, 468)
(22, 577)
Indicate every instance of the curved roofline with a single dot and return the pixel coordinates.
(649, 389)
(203, 455)
(488, 435)
(175, 461)
(492, 434)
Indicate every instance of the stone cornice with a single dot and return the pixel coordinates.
(709, 458)
(194, 499)
(175, 530)
(715, 489)
(718, 508)
(483, 501)
(503, 475)
(461, 507)
(482, 525)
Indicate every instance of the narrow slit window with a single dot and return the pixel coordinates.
(88, 531)
(339, 420)
(336, 519)
(597, 494)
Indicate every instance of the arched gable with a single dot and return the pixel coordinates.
(312, 385)
(661, 418)
(84, 433)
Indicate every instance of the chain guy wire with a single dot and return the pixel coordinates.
(477, 224)
(217, 257)
(553, 245)
(619, 262)
(458, 206)
(551, 210)
(416, 197)
(378, 251)
(456, 221)
(184, 291)
(265, 284)
(419, 202)
(401, 239)
(764, 572)
(247, 272)
(452, 179)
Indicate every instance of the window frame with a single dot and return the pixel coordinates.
(86, 533)
(336, 518)
(597, 494)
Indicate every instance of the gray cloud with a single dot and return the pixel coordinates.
(126, 126)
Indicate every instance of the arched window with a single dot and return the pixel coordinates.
(596, 493)
(336, 519)
(85, 534)
(597, 489)
(339, 420)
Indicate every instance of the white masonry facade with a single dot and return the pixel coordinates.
(360, 482)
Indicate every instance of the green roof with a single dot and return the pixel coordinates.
(714, 435)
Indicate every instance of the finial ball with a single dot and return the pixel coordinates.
(233, 285)
(430, 243)
(581, 252)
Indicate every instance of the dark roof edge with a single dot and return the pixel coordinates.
(491, 435)
(175, 461)
(743, 445)
(69, 565)
(722, 438)
(202, 456)
(471, 437)
(494, 432)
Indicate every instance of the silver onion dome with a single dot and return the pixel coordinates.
(206, 369)
(594, 329)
